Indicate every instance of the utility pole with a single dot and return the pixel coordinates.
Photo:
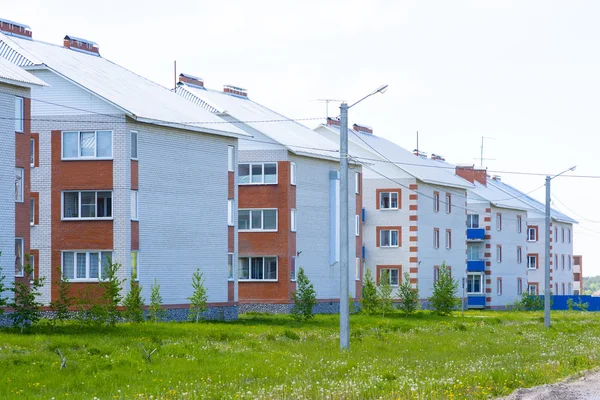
(547, 257)
(344, 285)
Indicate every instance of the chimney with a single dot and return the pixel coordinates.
(418, 153)
(333, 121)
(15, 29)
(437, 157)
(363, 129)
(191, 80)
(82, 45)
(471, 174)
(237, 91)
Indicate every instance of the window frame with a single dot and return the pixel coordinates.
(436, 238)
(390, 276)
(519, 255)
(357, 265)
(562, 262)
(135, 201)
(262, 219)
(356, 182)
(262, 164)
(19, 197)
(436, 202)
(498, 253)
(230, 267)
(498, 222)
(569, 264)
(381, 207)
(472, 275)
(293, 173)
(21, 274)
(448, 203)
(357, 225)
(62, 206)
(293, 220)
(137, 265)
(562, 234)
(535, 257)
(519, 286)
(131, 146)
(519, 224)
(230, 158)
(381, 233)
(87, 264)
(470, 221)
(230, 212)
(498, 286)
(19, 114)
(31, 211)
(263, 266)
(79, 156)
(448, 239)
(293, 268)
(532, 229)
(535, 289)
(32, 152)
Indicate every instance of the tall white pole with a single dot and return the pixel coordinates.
(344, 286)
(547, 257)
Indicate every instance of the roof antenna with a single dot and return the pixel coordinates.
(418, 143)
(327, 101)
(175, 73)
(481, 154)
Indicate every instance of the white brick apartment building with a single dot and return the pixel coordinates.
(415, 207)
(288, 203)
(124, 171)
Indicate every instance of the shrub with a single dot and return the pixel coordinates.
(26, 308)
(351, 306)
(111, 295)
(369, 297)
(409, 296)
(63, 301)
(384, 293)
(199, 297)
(443, 299)
(155, 310)
(3, 288)
(305, 298)
(530, 302)
(134, 304)
(89, 310)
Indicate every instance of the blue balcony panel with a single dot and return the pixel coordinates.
(363, 214)
(363, 252)
(476, 301)
(475, 265)
(475, 234)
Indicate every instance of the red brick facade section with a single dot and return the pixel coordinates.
(359, 238)
(22, 160)
(472, 175)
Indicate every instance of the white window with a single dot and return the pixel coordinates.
(569, 235)
(388, 200)
(532, 290)
(388, 238)
(134, 145)
(19, 115)
(436, 202)
(357, 225)
(519, 255)
(293, 173)
(87, 205)
(32, 211)
(569, 264)
(448, 239)
(499, 254)
(229, 266)
(293, 226)
(85, 265)
(230, 158)
(357, 269)
(293, 269)
(531, 262)
(32, 264)
(257, 220)
(556, 262)
(519, 286)
(473, 252)
(258, 269)
(531, 234)
(134, 266)
(556, 237)
(563, 235)
(472, 220)
(448, 203)
(257, 174)
(357, 182)
(563, 288)
(19, 184)
(562, 261)
(32, 153)
(499, 286)
(19, 257)
(498, 221)
(436, 273)
(392, 275)
(134, 205)
(519, 224)
(230, 212)
(436, 238)
(474, 283)
(92, 144)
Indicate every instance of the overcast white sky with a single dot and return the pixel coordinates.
(523, 72)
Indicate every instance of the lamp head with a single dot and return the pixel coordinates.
(381, 89)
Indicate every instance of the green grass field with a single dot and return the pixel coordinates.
(486, 354)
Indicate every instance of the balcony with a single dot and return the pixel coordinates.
(475, 234)
(475, 265)
(576, 268)
(476, 301)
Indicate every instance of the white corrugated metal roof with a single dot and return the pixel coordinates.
(424, 169)
(495, 196)
(16, 75)
(296, 137)
(138, 97)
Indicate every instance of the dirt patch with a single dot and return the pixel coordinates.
(584, 386)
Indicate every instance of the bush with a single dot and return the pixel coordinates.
(111, 295)
(571, 305)
(63, 301)
(199, 297)
(384, 293)
(89, 310)
(409, 296)
(134, 304)
(530, 302)
(443, 299)
(155, 310)
(369, 297)
(3, 288)
(26, 308)
(305, 298)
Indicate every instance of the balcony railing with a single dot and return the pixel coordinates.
(476, 301)
(576, 268)
(475, 265)
(475, 234)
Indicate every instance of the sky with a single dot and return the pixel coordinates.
(522, 73)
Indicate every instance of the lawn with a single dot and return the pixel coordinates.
(482, 355)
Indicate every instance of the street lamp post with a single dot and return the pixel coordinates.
(547, 250)
(344, 225)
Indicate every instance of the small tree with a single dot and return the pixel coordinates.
(63, 301)
(134, 304)
(199, 297)
(25, 305)
(305, 298)
(369, 297)
(111, 295)
(409, 296)
(155, 311)
(3, 288)
(384, 293)
(443, 299)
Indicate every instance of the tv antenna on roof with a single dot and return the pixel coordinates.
(327, 101)
(481, 159)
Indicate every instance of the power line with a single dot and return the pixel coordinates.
(579, 215)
